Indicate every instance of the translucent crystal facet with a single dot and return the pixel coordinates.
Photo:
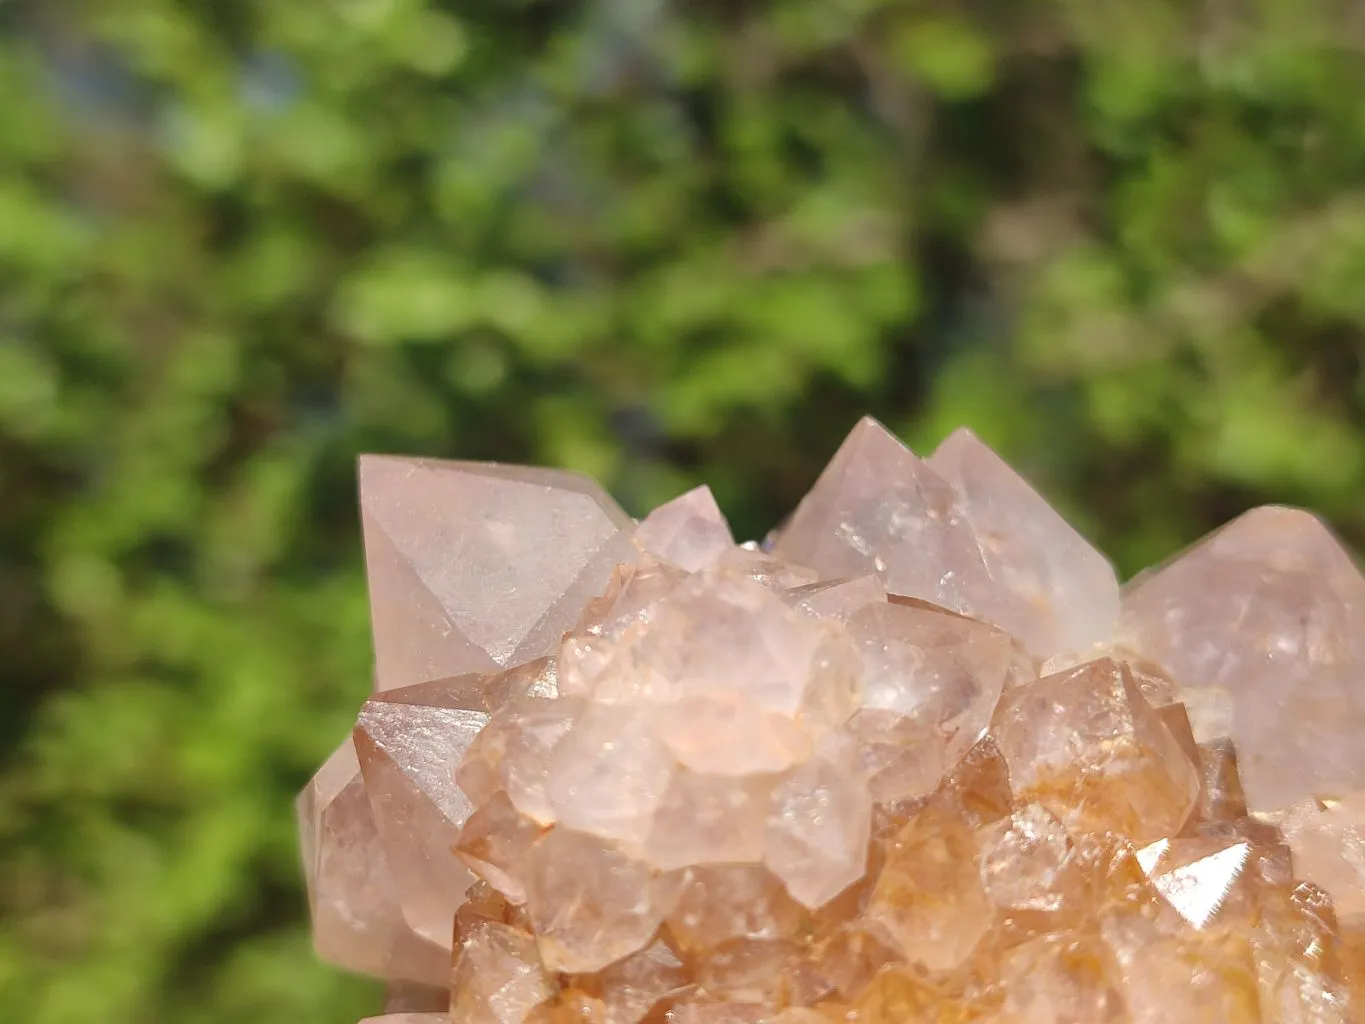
(837, 599)
(819, 822)
(498, 977)
(708, 906)
(1268, 613)
(1329, 850)
(357, 921)
(877, 508)
(1084, 744)
(472, 566)
(706, 818)
(609, 772)
(688, 531)
(1064, 593)
(589, 902)
(408, 755)
(930, 683)
(962, 530)
(931, 899)
(911, 759)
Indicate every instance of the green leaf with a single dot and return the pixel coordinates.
(952, 58)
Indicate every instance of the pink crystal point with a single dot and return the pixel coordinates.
(498, 977)
(688, 531)
(356, 918)
(590, 903)
(408, 751)
(879, 508)
(918, 762)
(961, 530)
(1269, 614)
(819, 823)
(474, 566)
(1064, 595)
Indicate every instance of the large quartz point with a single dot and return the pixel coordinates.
(1068, 597)
(357, 922)
(473, 566)
(410, 741)
(1268, 614)
(961, 530)
(899, 765)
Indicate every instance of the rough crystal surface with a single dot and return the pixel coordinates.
(1085, 744)
(911, 760)
(497, 977)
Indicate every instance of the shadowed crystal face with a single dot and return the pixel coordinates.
(914, 759)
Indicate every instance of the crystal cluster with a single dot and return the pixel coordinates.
(917, 757)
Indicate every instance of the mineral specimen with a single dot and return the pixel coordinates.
(916, 758)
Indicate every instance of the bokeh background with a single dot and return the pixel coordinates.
(660, 241)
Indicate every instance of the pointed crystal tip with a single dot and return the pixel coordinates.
(917, 757)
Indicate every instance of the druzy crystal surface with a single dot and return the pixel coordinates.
(917, 757)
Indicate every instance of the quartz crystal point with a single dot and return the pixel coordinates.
(912, 760)
(409, 750)
(1066, 592)
(589, 902)
(357, 921)
(929, 682)
(1268, 612)
(961, 530)
(688, 531)
(819, 823)
(473, 566)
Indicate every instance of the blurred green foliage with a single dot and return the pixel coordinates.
(657, 240)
